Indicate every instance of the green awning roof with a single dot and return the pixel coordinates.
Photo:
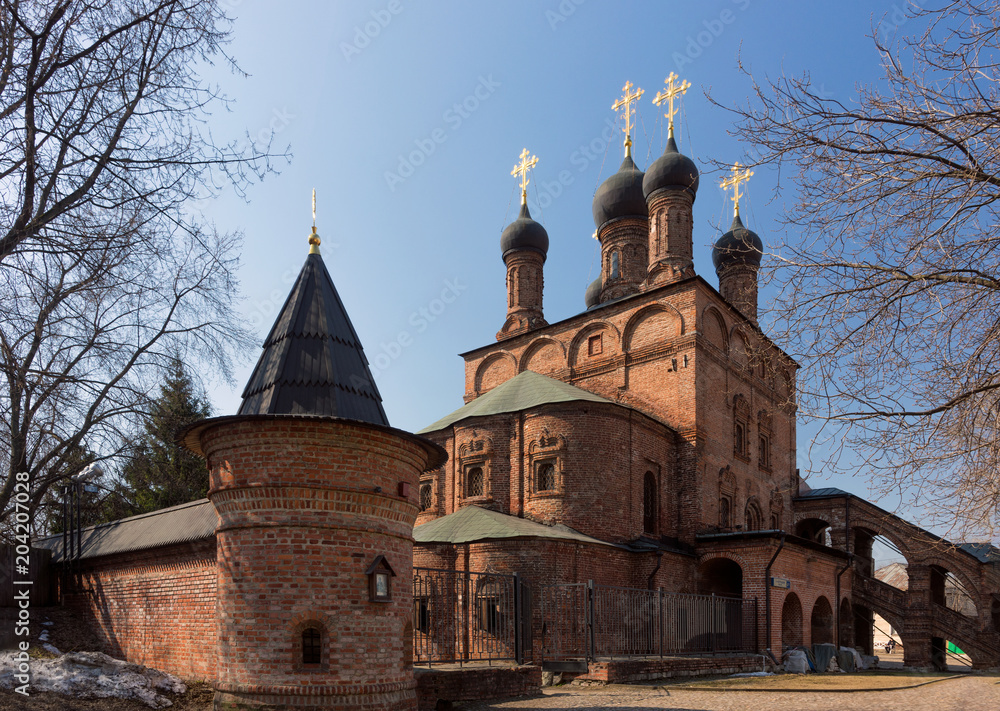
(523, 391)
(471, 523)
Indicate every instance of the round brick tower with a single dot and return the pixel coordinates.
(317, 497)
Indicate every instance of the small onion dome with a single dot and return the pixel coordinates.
(620, 195)
(524, 233)
(738, 246)
(671, 170)
(592, 297)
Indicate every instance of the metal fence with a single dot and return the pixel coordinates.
(588, 621)
(464, 616)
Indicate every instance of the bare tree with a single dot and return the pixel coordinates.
(104, 275)
(889, 276)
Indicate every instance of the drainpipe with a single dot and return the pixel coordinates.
(767, 592)
(850, 559)
(659, 559)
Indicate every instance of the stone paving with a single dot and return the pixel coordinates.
(963, 694)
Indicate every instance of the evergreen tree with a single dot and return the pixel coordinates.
(160, 473)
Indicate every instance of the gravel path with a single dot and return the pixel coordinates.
(966, 694)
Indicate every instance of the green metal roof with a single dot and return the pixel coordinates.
(472, 523)
(523, 391)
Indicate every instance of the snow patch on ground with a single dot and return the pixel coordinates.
(92, 675)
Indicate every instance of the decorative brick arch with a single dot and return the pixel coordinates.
(949, 565)
(644, 315)
(534, 353)
(713, 327)
(709, 579)
(495, 370)
(610, 347)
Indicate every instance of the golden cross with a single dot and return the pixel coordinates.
(522, 169)
(734, 181)
(669, 94)
(626, 102)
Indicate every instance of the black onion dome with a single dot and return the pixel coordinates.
(671, 170)
(524, 233)
(620, 195)
(738, 246)
(592, 297)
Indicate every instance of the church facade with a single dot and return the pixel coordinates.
(660, 419)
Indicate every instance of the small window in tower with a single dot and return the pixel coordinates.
(312, 646)
(615, 269)
(545, 478)
(595, 345)
(425, 497)
(475, 483)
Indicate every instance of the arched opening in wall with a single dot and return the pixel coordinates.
(615, 265)
(821, 622)
(814, 529)
(876, 556)
(720, 576)
(948, 591)
(425, 496)
(791, 621)
(864, 619)
(649, 501)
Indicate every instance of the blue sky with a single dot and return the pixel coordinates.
(407, 118)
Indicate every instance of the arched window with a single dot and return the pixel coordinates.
(425, 497)
(312, 646)
(475, 483)
(615, 267)
(741, 427)
(649, 503)
(753, 517)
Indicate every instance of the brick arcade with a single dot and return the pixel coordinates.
(651, 440)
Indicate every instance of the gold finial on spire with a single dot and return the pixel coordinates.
(669, 94)
(626, 102)
(314, 237)
(734, 181)
(522, 169)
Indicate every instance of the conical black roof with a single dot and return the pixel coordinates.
(313, 362)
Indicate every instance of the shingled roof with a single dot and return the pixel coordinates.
(313, 362)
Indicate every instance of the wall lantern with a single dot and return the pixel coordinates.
(380, 576)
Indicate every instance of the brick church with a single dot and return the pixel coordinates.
(646, 444)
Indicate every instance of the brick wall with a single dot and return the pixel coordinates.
(473, 683)
(156, 607)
